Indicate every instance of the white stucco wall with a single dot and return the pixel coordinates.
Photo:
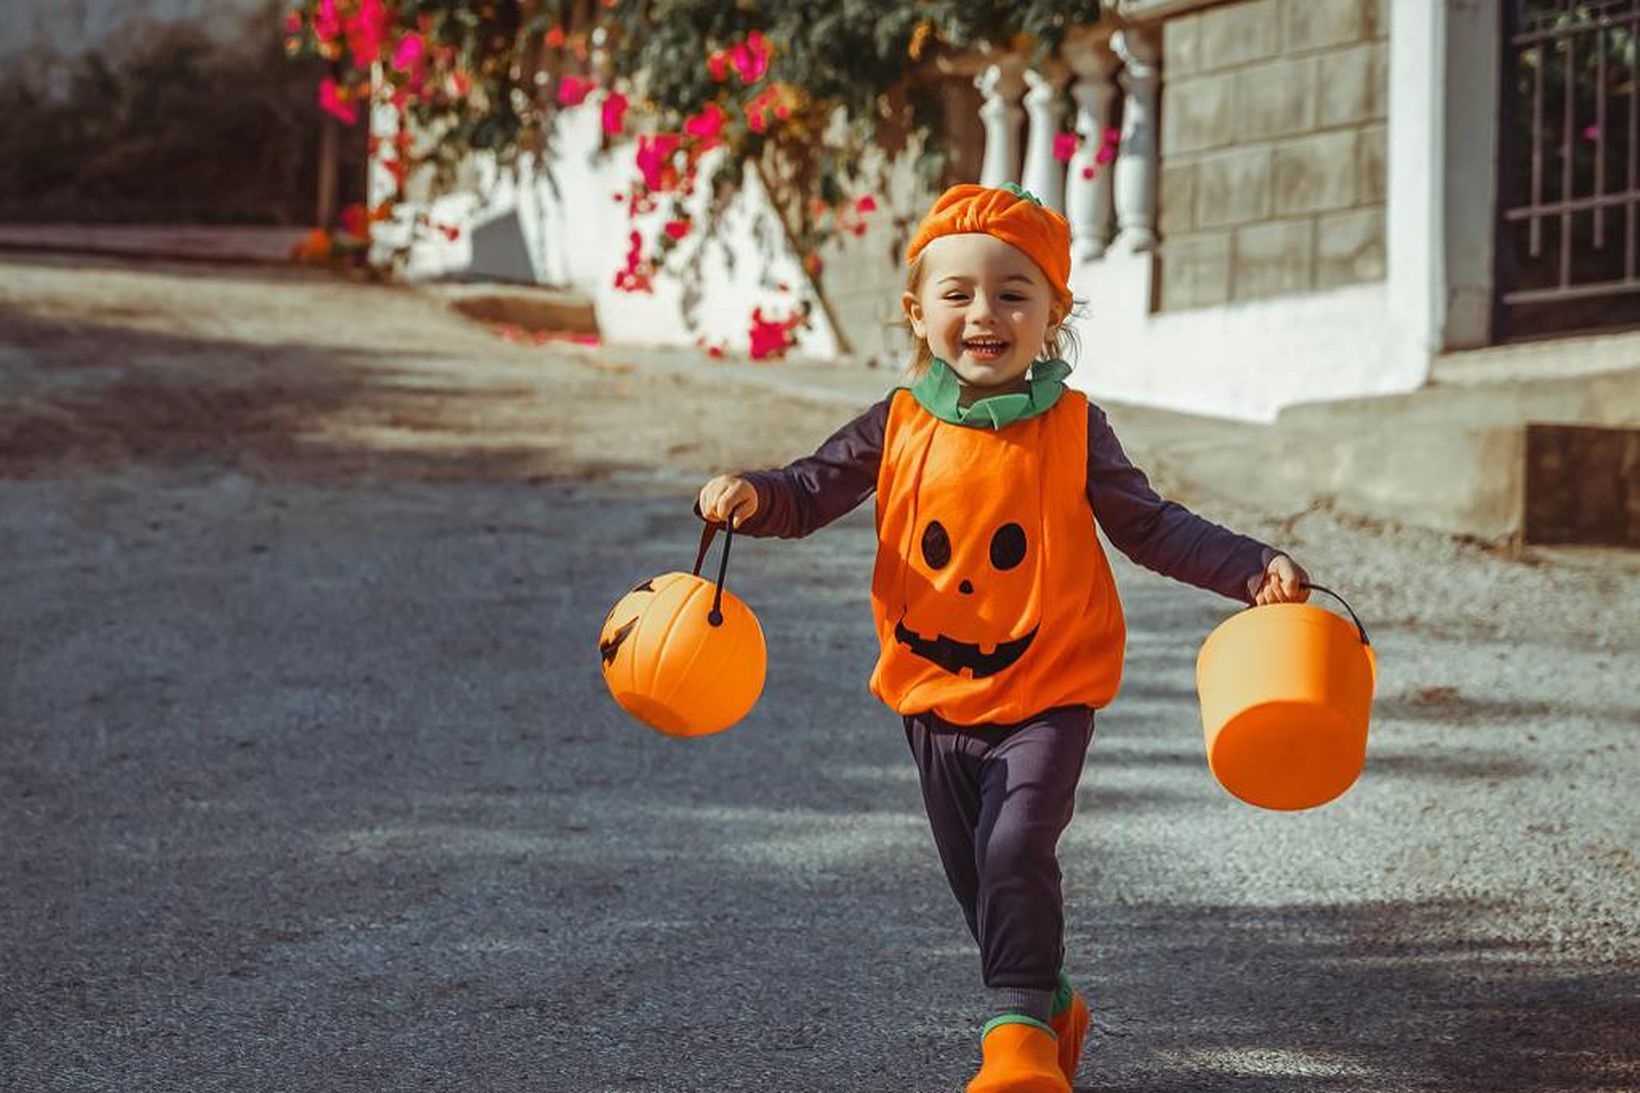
(1245, 360)
(576, 234)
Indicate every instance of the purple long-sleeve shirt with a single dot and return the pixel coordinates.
(1162, 535)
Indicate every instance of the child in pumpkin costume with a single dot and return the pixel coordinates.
(1000, 627)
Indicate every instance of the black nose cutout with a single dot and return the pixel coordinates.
(966, 588)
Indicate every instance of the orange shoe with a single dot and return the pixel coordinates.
(1021, 1056)
(1070, 1025)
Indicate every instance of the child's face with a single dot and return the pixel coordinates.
(983, 307)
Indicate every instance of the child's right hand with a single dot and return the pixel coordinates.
(727, 496)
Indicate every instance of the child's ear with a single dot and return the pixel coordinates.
(914, 314)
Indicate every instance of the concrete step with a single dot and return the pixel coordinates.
(1554, 358)
(1452, 457)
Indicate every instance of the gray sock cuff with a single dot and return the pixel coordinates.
(1032, 1003)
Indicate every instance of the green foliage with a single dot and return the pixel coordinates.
(849, 75)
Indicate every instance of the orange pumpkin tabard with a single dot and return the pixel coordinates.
(992, 596)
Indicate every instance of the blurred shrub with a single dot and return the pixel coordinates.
(178, 127)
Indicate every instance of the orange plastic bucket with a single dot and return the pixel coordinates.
(1286, 694)
(681, 654)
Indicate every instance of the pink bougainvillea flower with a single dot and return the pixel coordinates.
(1109, 143)
(707, 125)
(573, 90)
(1592, 132)
(757, 111)
(751, 58)
(654, 159)
(555, 37)
(408, 54)
(1064, 146)
(768, 338)
(866, 204)
(366, 31)
(334, 100)
(717, 65)
(355, 221)
(635, 277)
(677, 229)
(293, 22)
(614, 113)
(327, 26)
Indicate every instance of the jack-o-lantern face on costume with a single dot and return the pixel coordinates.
(974, 587)
(991, 595)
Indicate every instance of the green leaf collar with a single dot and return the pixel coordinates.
(939, 391)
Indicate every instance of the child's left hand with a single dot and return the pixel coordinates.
(1283, 581)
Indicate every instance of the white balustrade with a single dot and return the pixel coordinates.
(1099, 199)
(1002, 84)
(1088, 200)
(1136, 158)
(1044, 176)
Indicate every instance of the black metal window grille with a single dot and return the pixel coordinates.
(1569, 167)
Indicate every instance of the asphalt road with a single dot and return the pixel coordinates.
(311, 788)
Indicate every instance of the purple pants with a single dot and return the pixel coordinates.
(998, 798)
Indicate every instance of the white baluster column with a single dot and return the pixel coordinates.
(1001, 84)
(1088, 203)
(1044, 176)
(1136, 160)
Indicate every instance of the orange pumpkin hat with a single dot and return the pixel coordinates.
(1010, 214)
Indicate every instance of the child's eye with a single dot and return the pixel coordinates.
(955, 296)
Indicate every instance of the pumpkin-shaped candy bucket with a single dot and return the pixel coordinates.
(683, 654)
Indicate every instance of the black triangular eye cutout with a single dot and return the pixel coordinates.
(936, 545)
(642, 586)
(1008, 546)
(608, 649)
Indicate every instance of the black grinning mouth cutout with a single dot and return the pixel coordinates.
(953, 655)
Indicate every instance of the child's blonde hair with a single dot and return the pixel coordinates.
(1062, 342)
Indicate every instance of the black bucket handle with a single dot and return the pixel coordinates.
(707, 532)
(1362, 630)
